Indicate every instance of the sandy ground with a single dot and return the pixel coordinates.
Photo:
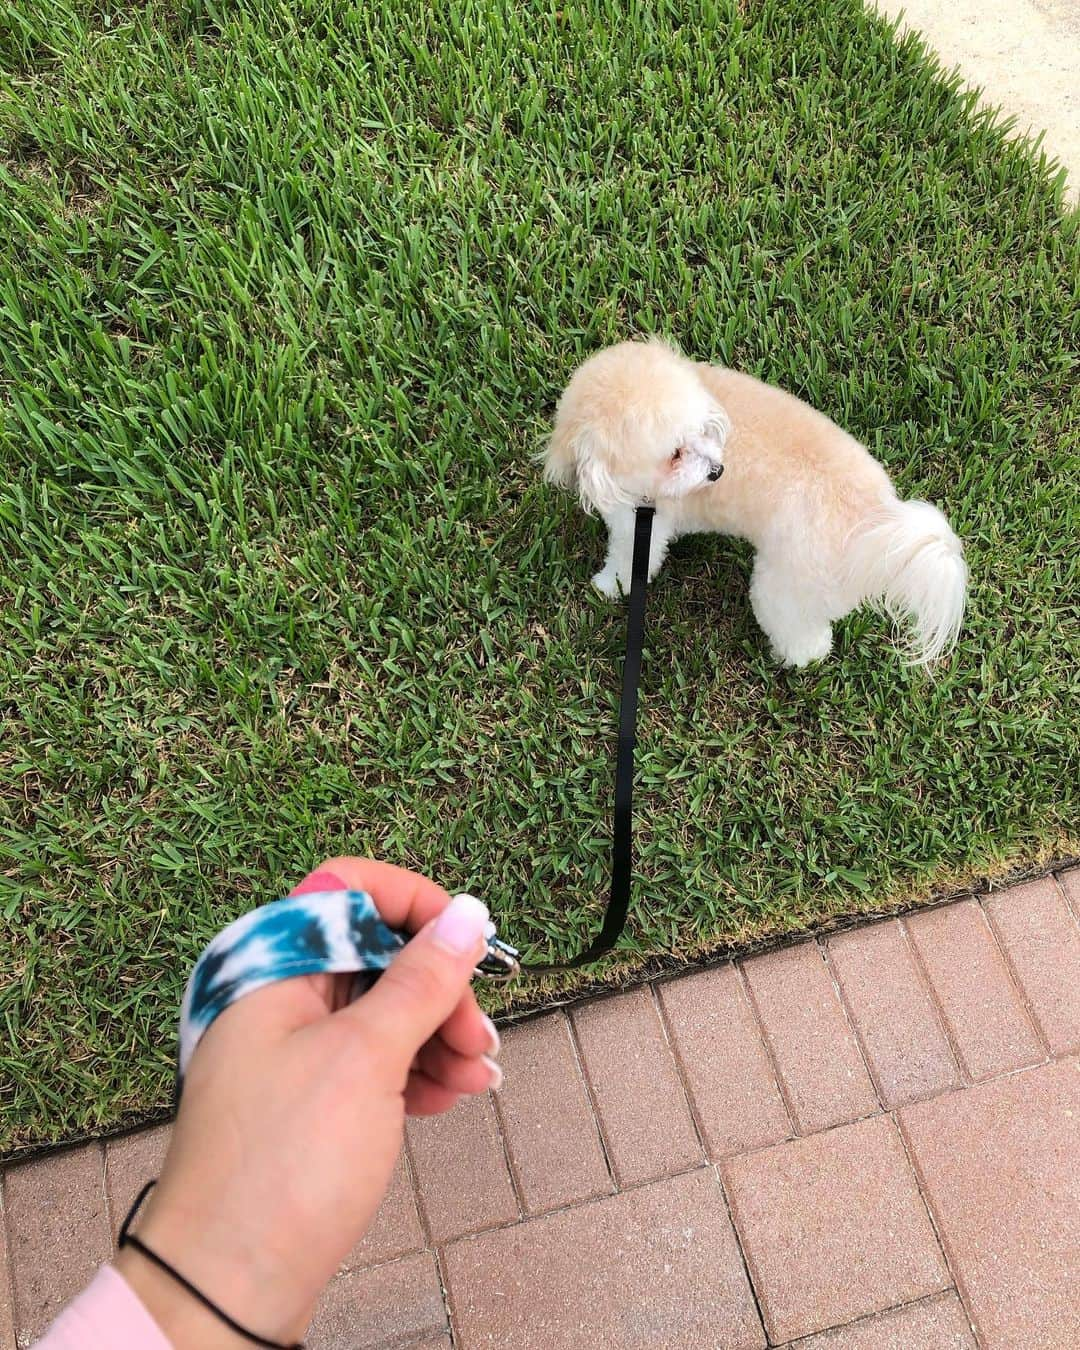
(1023, 54)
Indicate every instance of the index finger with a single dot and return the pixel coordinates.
(404, 899)
(407, 900)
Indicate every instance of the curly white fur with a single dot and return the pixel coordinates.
(640, 422)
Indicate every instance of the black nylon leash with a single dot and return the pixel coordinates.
(622, 853)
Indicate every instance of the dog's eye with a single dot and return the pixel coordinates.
(677, 455)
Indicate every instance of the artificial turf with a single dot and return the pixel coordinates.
(287, 293)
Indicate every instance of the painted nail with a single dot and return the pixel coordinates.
(460, 927)
(493, 1032)
(496, 1074)
(320, 880)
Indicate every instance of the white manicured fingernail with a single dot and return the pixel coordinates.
(493, 1032)
(496, 1073)
(460, 926)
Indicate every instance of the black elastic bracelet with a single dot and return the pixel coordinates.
(128, 1239)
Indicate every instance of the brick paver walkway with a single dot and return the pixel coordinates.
(870, 1142)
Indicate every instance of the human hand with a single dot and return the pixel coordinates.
(293, 1112)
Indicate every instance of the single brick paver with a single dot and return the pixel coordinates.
(936, 1324)
(130, 1163)
(1041, 941)
(640, 1101)
(551, 1135)
(984, 1013)
(728, 1074)
(656, 1266)
(460, 1169)
(396, 1230)
(388, 1305)
(820, 1066)
(58, 1233)
(1000, 1165)
(893, 1012)
(833, 1227)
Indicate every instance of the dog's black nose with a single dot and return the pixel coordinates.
(715, 472)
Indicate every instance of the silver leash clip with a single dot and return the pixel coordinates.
(501, 962)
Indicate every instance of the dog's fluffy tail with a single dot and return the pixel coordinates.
(907, 562)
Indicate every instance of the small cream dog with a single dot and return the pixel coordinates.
(639, 422)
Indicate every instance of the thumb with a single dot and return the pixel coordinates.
(424, 983)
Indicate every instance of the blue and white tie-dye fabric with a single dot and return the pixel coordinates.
(322, 932)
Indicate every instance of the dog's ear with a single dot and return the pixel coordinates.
(560, 458)
(596, 486)
(575, 459)
(572, 460)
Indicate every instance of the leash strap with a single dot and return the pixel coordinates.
(315, 933)
(622, 853)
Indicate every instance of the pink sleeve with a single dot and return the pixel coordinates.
(106, 1316)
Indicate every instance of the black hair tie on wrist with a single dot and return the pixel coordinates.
(128, 1239)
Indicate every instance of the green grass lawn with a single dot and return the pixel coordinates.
(287, 293)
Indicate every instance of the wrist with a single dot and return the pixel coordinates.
(182, 1319)
(230, 1275)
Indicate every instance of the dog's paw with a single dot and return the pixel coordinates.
(806, 649)
(607, 583)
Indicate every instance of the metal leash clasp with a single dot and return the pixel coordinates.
(501, 962)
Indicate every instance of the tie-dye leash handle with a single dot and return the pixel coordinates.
(319, 933)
